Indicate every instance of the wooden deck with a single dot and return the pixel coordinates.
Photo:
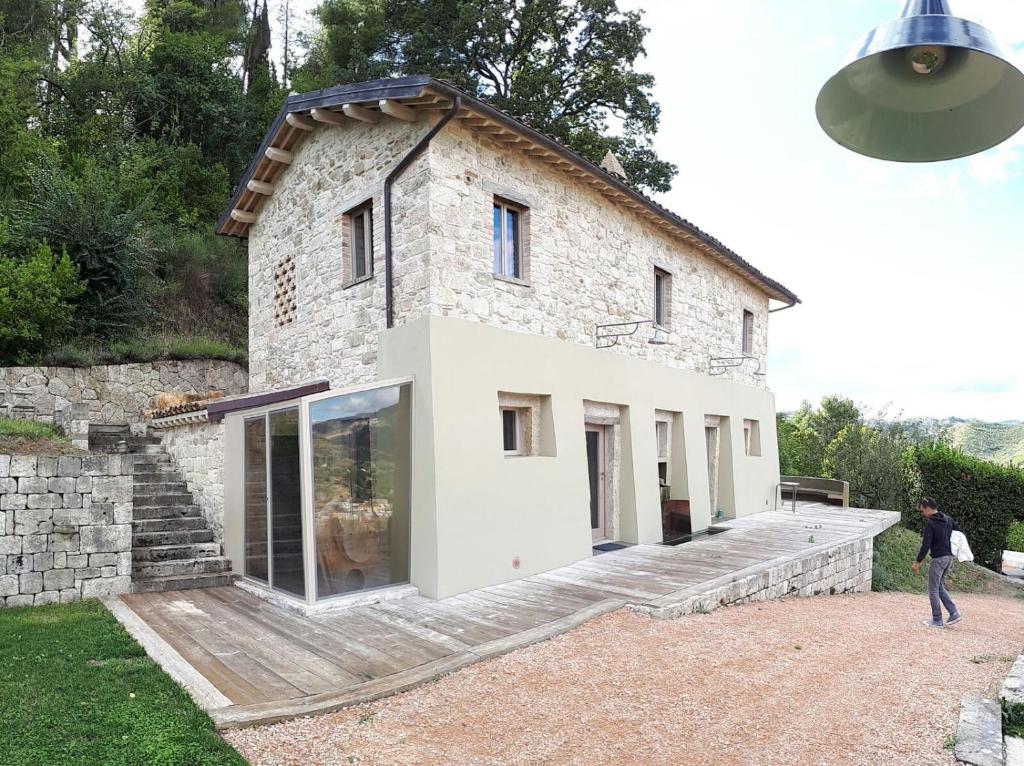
(248, 661)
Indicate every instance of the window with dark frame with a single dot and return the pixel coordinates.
(662, 295)
(361, 240)
(510, 431)
(748, 332)
(507, 237)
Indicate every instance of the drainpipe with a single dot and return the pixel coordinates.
(406, 161)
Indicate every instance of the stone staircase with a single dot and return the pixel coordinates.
(172, 547)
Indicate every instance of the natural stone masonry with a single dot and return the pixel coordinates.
(979, 733)
(588, 261)
(113, 394)
(196, 447)
(841, 569)
(66, 526)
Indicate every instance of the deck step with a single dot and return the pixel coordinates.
(171, 537)
(175, 552)
(210, 565)
(181, 582)
(142, 513)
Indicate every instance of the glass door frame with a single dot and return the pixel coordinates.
(306, 488)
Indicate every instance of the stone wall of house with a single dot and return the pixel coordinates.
(308, 318)
(590, 262)
(65, 527)
(196, 447)
(115, 394)
(841, 569)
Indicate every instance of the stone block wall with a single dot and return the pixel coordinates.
(65, 528)
(196, 447)
(841, 569)
(114, 394)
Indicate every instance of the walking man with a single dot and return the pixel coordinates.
(937, 530)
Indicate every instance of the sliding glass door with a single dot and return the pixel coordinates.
(361, 452)
(255, 499)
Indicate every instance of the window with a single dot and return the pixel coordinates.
(661, 433)
(285, 303)
(511, 432)
(748, 332)
(752, 438)
(662, 297)
(359, 239)
(508, 230)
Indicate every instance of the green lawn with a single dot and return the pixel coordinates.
(75, 688)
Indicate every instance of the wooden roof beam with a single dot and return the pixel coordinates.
(299, 122)
(360, 113)
(397, 110)
(280, 155)
(243, 216)
(327, 117)
(260, 187)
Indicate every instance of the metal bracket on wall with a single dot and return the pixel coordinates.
(607, 335)
(719, 364)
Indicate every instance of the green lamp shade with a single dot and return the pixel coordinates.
(923, 88)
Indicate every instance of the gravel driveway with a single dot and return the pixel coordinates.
(827, 680)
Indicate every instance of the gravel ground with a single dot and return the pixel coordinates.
(828, 680)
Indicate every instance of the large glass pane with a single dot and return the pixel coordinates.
(499, 265)
(288, 572)
(361, 493)
(512, 243)
(256, 498)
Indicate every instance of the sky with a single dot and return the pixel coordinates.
(911, 276)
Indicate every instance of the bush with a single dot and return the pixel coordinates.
(205, 348)
(871, 459)
(1015, 537)
(985, 498)
(36, 295)
(68, 356)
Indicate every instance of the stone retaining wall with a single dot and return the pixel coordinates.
(65, 528)
(116, 394)
(842, 569)
(196, 447)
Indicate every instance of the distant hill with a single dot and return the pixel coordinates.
(1001, 442)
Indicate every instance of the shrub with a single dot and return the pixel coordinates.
(29, 429)
(36, 295)
(68, 356)
(983, 497)
(1015, 537)
(871, 459)
(205, 348)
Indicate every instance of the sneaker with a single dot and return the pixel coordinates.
(954, 619)
(933, 624)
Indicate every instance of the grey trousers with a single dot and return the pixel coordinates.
(937, 592)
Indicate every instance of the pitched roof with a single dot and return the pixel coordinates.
(405, 98)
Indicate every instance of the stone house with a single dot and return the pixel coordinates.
(475, 355)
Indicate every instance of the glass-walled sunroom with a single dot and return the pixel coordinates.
(326, 493)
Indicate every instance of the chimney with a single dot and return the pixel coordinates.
(612, 165)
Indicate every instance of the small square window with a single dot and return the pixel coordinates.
(662, 297)
(358, 242)
(511, 432)
(748, 332)
(507, 235)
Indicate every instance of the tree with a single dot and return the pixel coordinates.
(833, 415)
(872, 460)
(566, 67)
(36, 295)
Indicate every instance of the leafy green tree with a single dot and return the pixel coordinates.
(872, 460)
(36, 300)
(566, 67)
(833, 415)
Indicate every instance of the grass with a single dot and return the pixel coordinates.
(896, 549)
(146, 349)
(29, 429)
(30, 437)
(77, 690)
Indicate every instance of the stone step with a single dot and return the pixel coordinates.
(168, 474)
(147, 488)
(179, 552)
(171, 524)
(171, 537)
(211, 565)
(979, 735)
(181, 582)
(156, 458)
(165, 511)
(1014, 751)
(150, 499)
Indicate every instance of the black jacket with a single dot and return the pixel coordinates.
(937, 531)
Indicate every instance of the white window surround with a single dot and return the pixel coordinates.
(751, 437)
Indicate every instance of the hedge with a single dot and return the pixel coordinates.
(985, 498)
